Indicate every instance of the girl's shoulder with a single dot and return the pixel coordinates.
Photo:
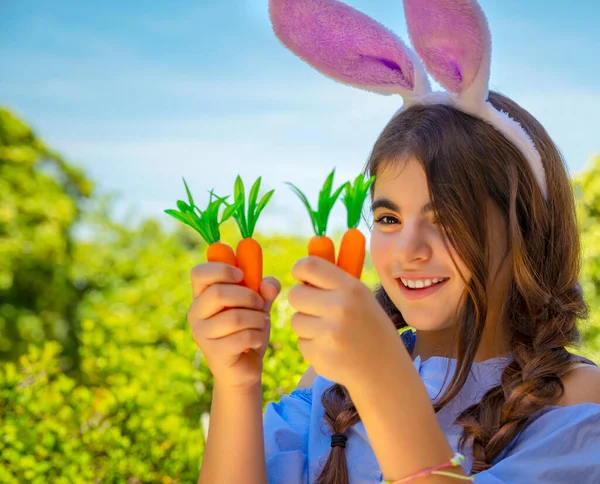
(582, 383)
(307, 378)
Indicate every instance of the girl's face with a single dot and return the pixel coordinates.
(407, 243)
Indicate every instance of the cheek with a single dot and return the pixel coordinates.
(381, 252)
(461, 265)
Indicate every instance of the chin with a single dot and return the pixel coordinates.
(425, 323)
(425, 319)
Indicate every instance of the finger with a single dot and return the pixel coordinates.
(229, 322)
(269, 290)
(320, 273)
(306, 326)
(238, 342)
(309, 300)
(209, 273)
(220, 296)
(308, 348)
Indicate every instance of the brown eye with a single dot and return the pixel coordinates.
(384, 220)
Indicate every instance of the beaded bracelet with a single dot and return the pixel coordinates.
(455, 461)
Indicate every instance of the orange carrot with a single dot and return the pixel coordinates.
(220, 252)
(249, 253)
(321, 245)
(351, 257)
(250, 261)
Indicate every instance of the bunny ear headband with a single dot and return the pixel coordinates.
(451, 38)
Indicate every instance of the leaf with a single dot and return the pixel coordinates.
(301, 196)
(212, 214)
(335, 196)
(354, 198)
(183, 207)
(253, 198)
(314, 216)
(240, 195)
(229, 211)
(347, 194)
(316, 223)
(325, 192)
(219, 198)
(198, 227)
(202, 229)
(264, 202)
(175, 214)
(188, 192)
(212, 208)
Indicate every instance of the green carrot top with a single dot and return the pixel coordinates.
(206, 222)
(326, 202)
(354, 198)
(247, 223)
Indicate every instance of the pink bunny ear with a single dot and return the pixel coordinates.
(347, 46)
(453, 40)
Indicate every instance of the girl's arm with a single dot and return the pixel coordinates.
(399, 418)
(235, 449)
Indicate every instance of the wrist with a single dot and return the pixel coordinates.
(382, 369)
(238, 390)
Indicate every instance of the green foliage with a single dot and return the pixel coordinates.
(587, 190)
(37, 212)
(101, 380)
(247, 222)
(320, 217)
(205, 222)
(354, 198)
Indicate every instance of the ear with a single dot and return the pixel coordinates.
(453, 40)
(348, 46)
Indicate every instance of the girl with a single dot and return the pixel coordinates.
(476, 244)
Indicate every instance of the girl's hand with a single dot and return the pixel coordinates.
(343, 332)
(227, 318)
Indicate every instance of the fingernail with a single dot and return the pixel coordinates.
(238, 274)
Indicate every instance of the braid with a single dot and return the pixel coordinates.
(543, 305)
(340, 415)
(529, 383)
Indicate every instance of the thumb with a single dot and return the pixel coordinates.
(270, 288)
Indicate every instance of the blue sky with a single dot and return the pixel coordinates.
(143, 93)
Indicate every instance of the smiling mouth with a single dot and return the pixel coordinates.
(424, 287)
(419, 293)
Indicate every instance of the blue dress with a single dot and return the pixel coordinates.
(558, 445)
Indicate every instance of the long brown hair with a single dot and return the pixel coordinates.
(468, 163)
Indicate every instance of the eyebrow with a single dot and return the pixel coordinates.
(387, 203)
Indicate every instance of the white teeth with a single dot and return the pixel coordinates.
(421, 283)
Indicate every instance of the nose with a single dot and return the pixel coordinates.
(411, 245)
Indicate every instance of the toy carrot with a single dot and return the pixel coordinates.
(351, 256)
(249, 253)
(321, 245)
(207, 225)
